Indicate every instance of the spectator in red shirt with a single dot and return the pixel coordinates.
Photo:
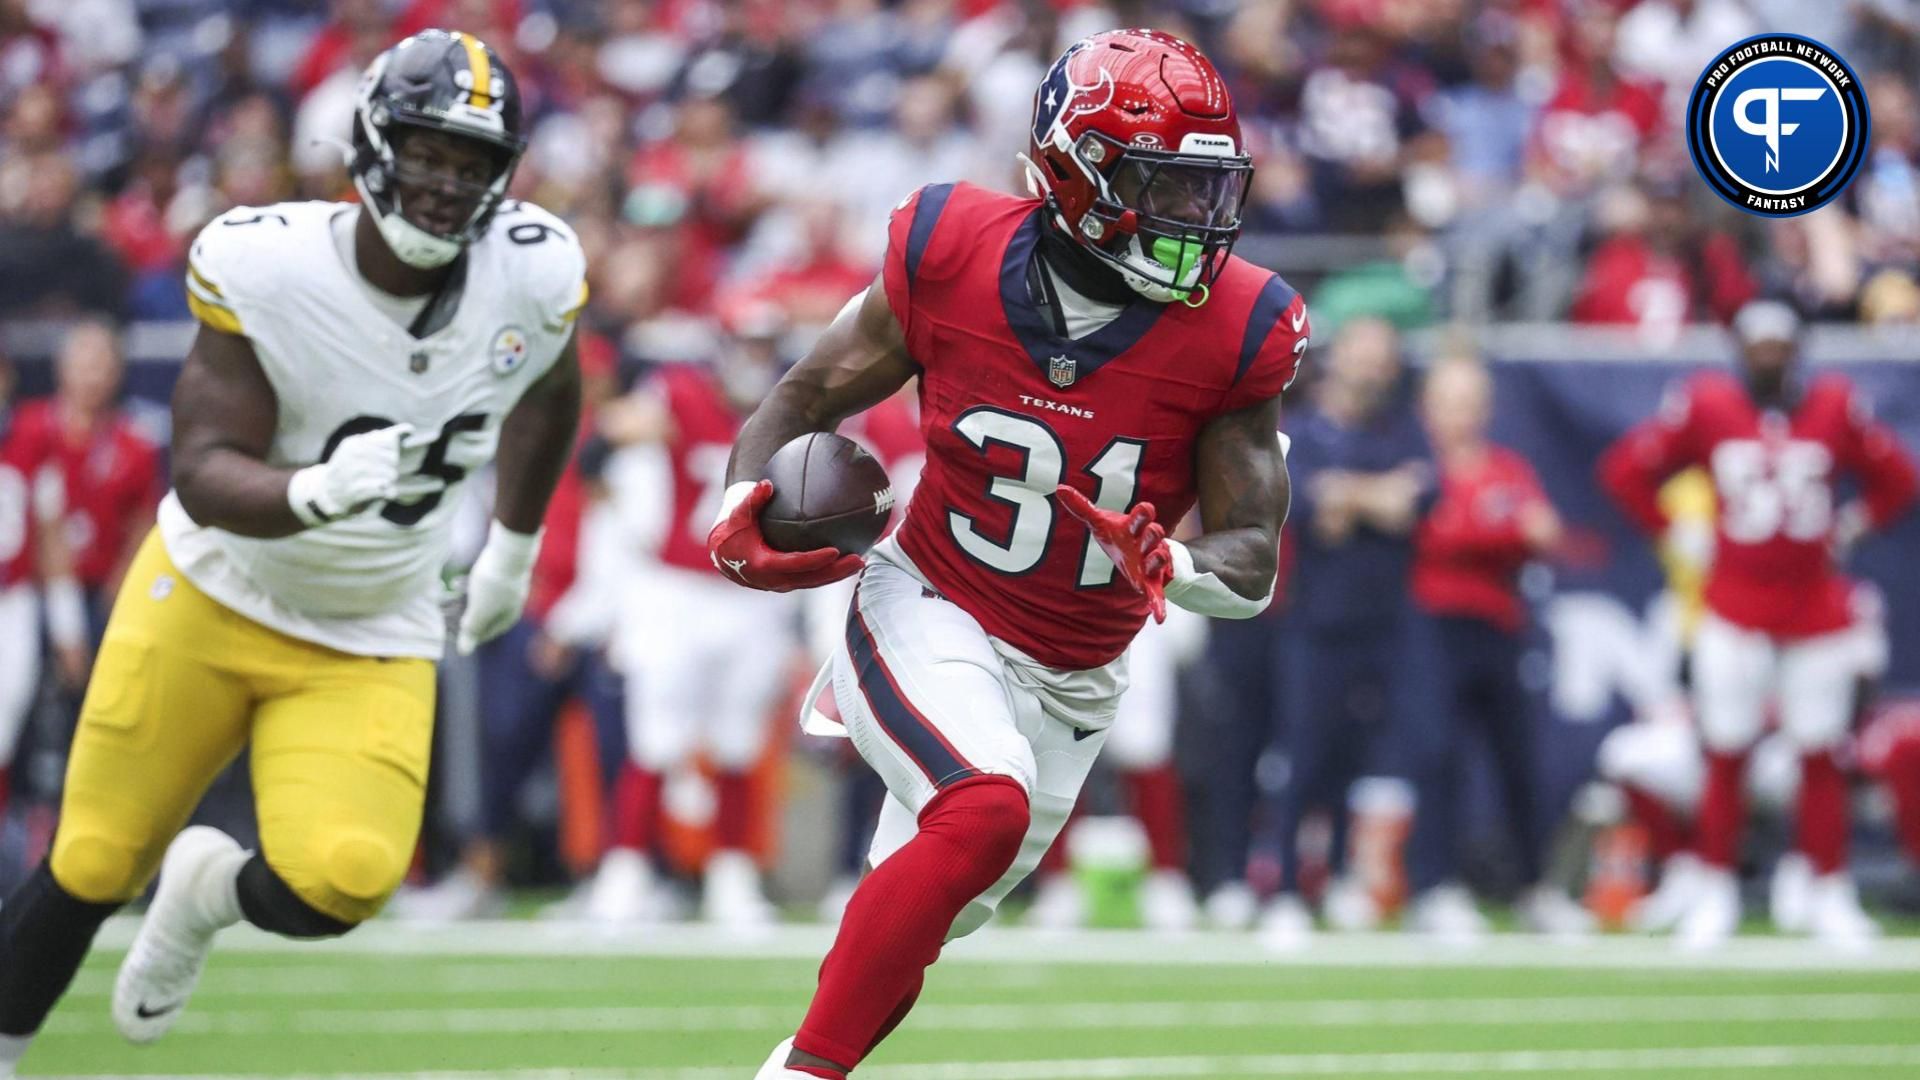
(1662, 268)
(112, 472)
(1598, 121)
(1462, 655)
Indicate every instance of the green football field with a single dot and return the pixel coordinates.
(542, 1000)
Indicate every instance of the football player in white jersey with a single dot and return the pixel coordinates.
(353, 366)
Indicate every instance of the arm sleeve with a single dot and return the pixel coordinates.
(1886, 471)
(1633, 468)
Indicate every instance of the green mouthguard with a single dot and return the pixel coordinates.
(1178, 257)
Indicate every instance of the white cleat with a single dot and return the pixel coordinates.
(1286, 925)
(1790, 894)
(1232, 906)
(1835, 916)
(1350, 907)
(623, 889)
(1167, 903)
(458, 897)
(732, 897)
(1057, 904)
(776, 1066)
(160, 970)
(1714, 915)
(1547, 910)
(834, 904)
(1663, 908)
(1447, 914)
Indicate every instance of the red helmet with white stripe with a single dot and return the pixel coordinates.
(1137, 150)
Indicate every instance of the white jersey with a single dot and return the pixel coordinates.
(339, 365)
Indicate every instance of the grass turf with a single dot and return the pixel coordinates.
(510, 1000)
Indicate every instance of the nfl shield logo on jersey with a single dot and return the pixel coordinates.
(509, 350)
(1061, 372)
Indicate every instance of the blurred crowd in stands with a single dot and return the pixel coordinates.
(1483, 159)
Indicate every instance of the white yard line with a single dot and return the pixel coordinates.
(1586, 1012)
(1425, 1063)
(1016, 945)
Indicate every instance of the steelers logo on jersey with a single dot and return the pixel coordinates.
(509, 349)
(1777, 125)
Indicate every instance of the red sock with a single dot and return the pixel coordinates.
(1665, 834)
(899, 916)
(1823, 812)
(899, 1012)
(733, 820)
(1722, 809)
(636, 808)
(1055, 860)
(1902, 777)
(1159, 804)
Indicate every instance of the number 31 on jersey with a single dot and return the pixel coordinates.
(1116, 469)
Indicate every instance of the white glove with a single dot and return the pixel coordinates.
(364, 469)
(497, 586)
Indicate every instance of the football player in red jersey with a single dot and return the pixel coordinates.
(1092, 363)
(112, 472)
(1776, 630)
(704, 661)
(33, 551)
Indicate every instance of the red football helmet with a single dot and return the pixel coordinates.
(1136, 149)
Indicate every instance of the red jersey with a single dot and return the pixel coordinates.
(112, 481)
(30, 490)
(1773, 474)
(1469, 549)
(704, 426)
(1010, 410)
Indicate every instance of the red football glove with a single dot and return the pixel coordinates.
(741, 553)
(1135, 542)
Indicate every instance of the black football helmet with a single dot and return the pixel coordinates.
(438, 81)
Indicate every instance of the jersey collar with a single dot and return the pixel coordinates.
(1037, 334)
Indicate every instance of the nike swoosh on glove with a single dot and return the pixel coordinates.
(1135, 542)
(742, 554)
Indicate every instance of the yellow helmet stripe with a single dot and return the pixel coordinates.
(481, 93)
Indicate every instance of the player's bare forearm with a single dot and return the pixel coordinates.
(224, 411)
(860, 361)
(536, 442)
(1244, 495)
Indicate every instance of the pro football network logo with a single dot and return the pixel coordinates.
(1777, 125)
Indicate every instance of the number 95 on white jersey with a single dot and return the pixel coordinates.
(340, 365)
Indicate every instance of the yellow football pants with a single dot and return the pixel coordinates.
(340, 745)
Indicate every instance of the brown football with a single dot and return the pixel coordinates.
(827, 492)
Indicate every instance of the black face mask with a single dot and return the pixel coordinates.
(1083, 271)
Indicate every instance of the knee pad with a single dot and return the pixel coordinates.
(989, 814)
(358, 871)
(345, 874)
(95, 869)
(271, 904)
